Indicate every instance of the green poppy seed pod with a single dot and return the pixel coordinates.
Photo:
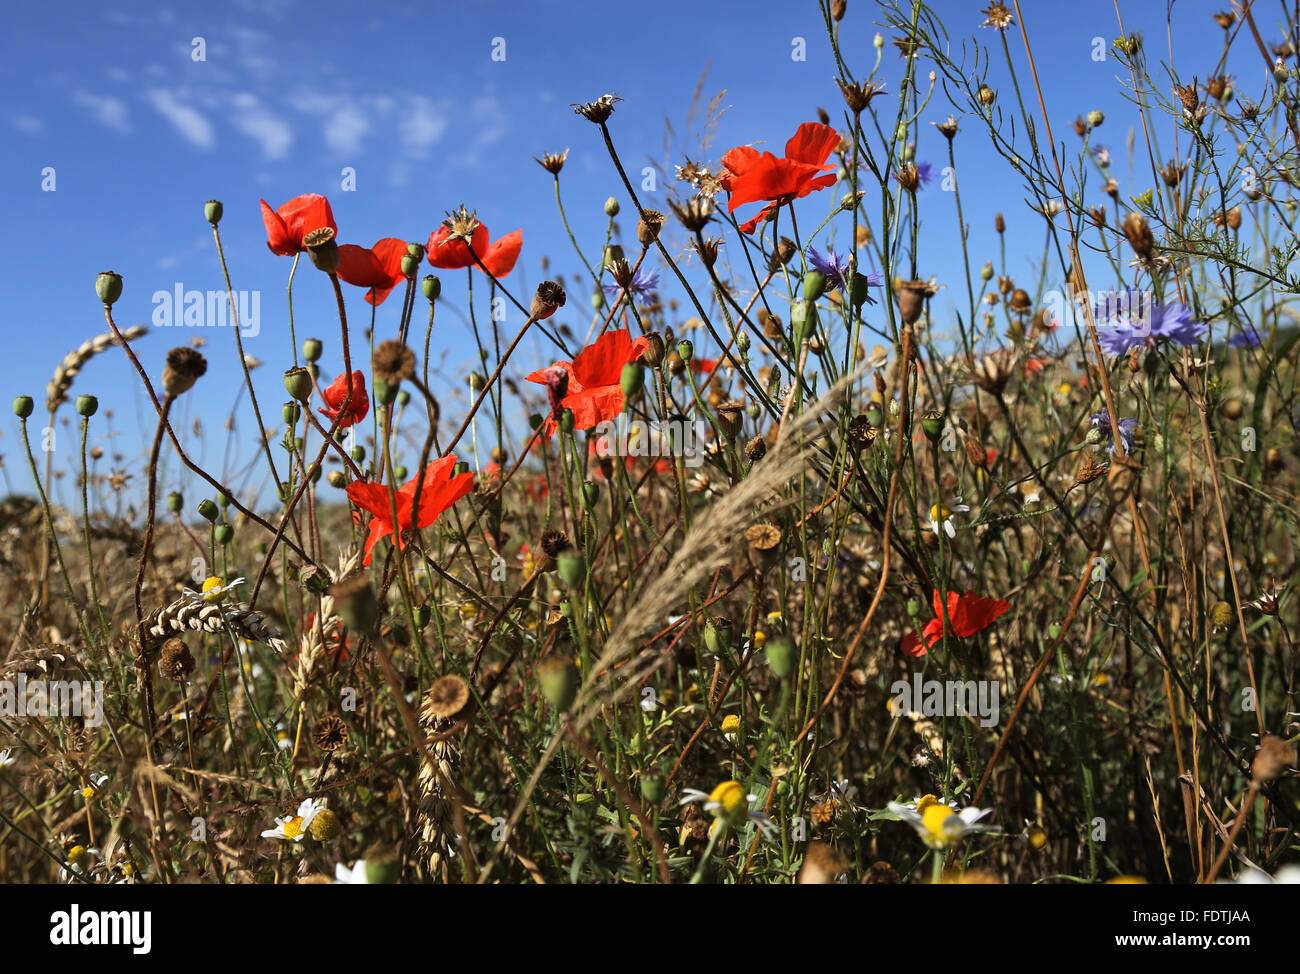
(224, 534)
(23, 406)
(1054, 630)
(686, 349)
(572, 567)
(298, 383)
(212, 211)
(613, 253)
(913, 607)
(781, 657)
(400, 471)
(566, 421)
(432, 287)
(598, 300)
(403, 397)
(411, 265)
(208, 510)
(223, 500)
(336, 479)
(315, 475)
(108, 286)
(652, 786)
(175, 501)
(559, 680)
(87, 406)
(590, 494)
(860, 290)
(385, 394)
(359, 453)
(814, 285)
(932, 425)
(803, 319)
(566, 609)
(291, 412)
(611, 207)
(717, 636)
(875, 416)
(535, 420)
(632, 380)
(312, 349)
(460, 468)
(421, 616)
(1095, 118)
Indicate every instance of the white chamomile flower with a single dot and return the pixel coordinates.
(1252, 876)
(7, 758)
(292, 828)
(79, 860)
(356, 876)
(729, 802)
(214, 590)
(940, 825)
(941, 517)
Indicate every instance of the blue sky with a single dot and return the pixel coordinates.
(139, 134)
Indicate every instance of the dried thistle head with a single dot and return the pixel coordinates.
(548, 299)
(597, 111)
(997, 15)
(694, 214)
(552, 162)
(858, 95)
(330, 733)
(393, 361)
(445, 699)
(1138, 232)
(175, 662)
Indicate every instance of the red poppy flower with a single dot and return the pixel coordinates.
(379, 269)
(441, 489)
(595, 392)
(498, 256)
(703, 366)
(286, 226)
(752, 175)
(337, 392)
(968, 614)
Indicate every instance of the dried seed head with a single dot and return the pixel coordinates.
(175, 661)
(707, 248)
(764, 545)
(445, 699)
(393, 361)
(695, 213)
(858, 96)
(354, 597)
(597, 111)
(997, 15)
(1217, 87)
(909, 177)
(330, 733)
(731, 415)
(947, 128)
(1189, 96)
(184, 367)
(785, 251)
(1273, 757)
(549, 298)
(756, 449)
(648, 227)
(554, 542)
(911, 297)
(822, 864)
(654, 350)
(1138, 231)
(552, 162)
(1172, 174)
(323, 249)
(992, 372)
(1225, 19)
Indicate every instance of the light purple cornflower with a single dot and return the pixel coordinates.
(642, 282)
(1128, 318)
(1128, 429)
(839, 272)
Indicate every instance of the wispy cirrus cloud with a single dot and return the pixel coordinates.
(262, 125)
(106, 110)
(187, 120)
(28, 124)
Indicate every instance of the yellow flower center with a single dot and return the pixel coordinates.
(924, 802)
(760, 639)
(211, 588)
(939, 513)
(293, 827)
(730, 724)
(729, 795)
(933, 819)
(88, 793)
(75, 854)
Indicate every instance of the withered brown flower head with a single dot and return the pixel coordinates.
(445, 699)
(908, 45)
(550, 297)
(1189, 96)
(323, 249)
(1274, 756)
(461, 224)
(858, 96)
(175, 662)
(554, 542)
(597, 111)
(911, 297)
(694, 213)
(784, 253)
(330, 733)
(1138, 232)
(184, 367)
(1225, 18)
(764, 545)
(992, 372)
(1217, 86)
(707, 248)
(701, 178)
(997, 15)
(881, 872)
(822, 864)
(909, 177)
(393, 361)
(648, 227)
(1172, 174)
(552, 162)
(731, 415)
(947, 128)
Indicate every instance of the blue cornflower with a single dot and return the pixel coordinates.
(1131, 318)
(1128, 429)
(1248, 337)
(925, 171)
(642, 283)
(835, 267)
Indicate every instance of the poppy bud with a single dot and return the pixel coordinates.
(297, 382)
(652, 786)
(175, 500)
(311, 349)
(590, 494)
(717, 636)
(400, 471)
(290, 412)
(224, 534)
(535, 420)
(814, 285)
(108, 286)
(613, 254)
(999, 224)
(611, 207)
(632, 380)
(559, 681)
(686, 349)
(566, 421)
(782, 657)
(385, 392)
(359, 453)
(803, 320)
(913, 608)
(208, 510)
(932, 425)
(87, 406)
